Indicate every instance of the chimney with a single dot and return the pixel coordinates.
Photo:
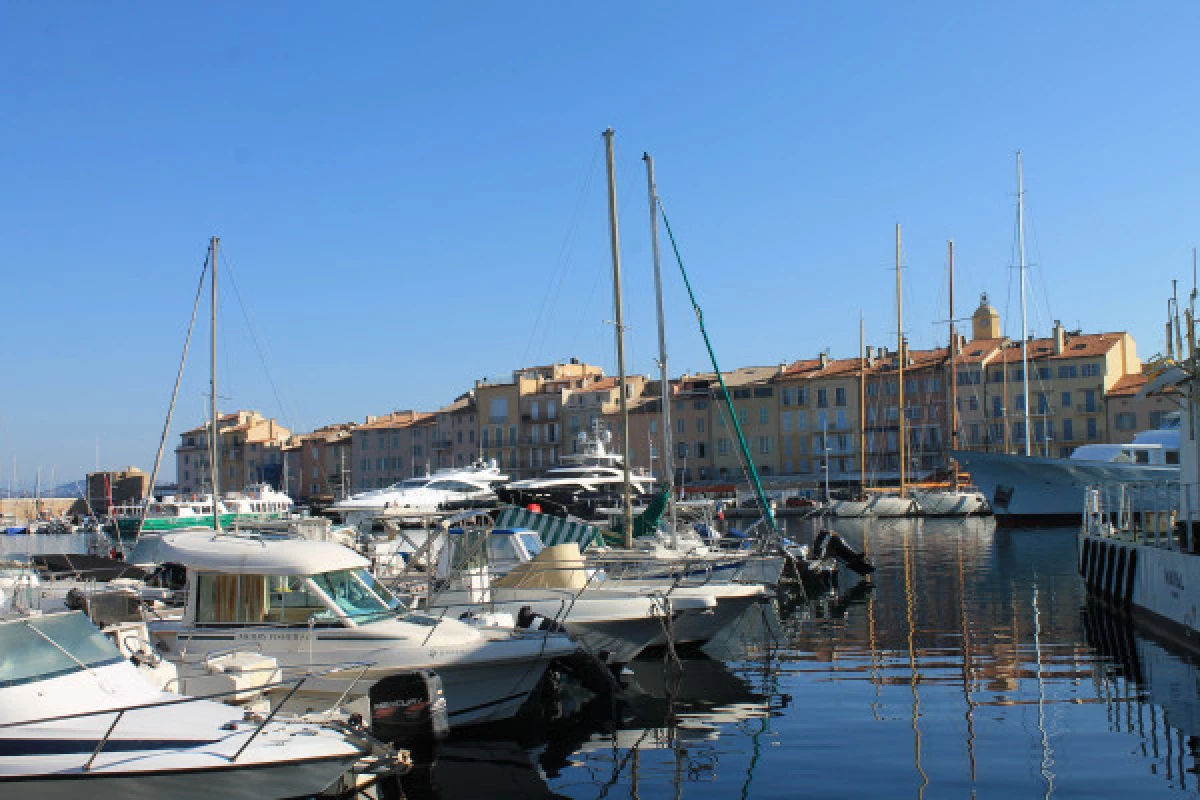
(870, 354)
(824, 360)
(904, 351)
(1060, 338)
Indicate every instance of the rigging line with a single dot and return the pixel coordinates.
(229, 270)
(162, 442)
(565, 252)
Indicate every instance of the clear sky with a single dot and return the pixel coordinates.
(410, 196)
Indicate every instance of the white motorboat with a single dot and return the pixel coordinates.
(1031, 489)
(258, 503)
(77, 720)
(452, 487)
(313, 604)
(585, 482)
(509, 570)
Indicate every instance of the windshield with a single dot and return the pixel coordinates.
(46, 647)
(352, 594)
(411, 483)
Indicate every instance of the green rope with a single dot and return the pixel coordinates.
(758, 490)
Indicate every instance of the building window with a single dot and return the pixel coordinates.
(841, 418)
(786, 419)
(700, 450)
(1090, 370)
(498, 410)
(1068, 430)
(839, 396)
(681, 449)
(1089, 400)
(802, 396)
(681, 425)
(764, 445)
(764, 416)
(1092, 429)
(723, 446)
(801, 420)
(654, 426)
(822, 398)
(1068, 371)
(700, 425)
(1126, 421)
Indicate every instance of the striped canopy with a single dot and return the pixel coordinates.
(553, 530)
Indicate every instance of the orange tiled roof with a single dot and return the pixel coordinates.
(396, 419)
(1128, 385)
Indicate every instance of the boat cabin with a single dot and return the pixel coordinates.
(237, 580)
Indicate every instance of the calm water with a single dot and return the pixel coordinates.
(971, 669)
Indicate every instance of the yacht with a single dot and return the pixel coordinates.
(309, 604)
(452, 487)
(78, 720)
(1029, 489)
(258, 503)
(585, 482)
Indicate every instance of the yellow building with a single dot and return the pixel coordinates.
(251, 451)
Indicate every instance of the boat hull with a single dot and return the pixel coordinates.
(938, 503)
(1159, 585)
(1031, 490)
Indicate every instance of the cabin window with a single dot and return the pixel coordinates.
(1141, 457)
(33, 649)
(1171, 456)
(351, 594)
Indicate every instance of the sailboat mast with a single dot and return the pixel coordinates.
(212, 432)
(668, 459)
(862, 406)
(900, 354)
(615, 245)
(1024, 332)
(953, 369)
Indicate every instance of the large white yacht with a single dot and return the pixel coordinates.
(78, 720)
(585, 482)
(451, 487)
(1029, 489)
(308, 604)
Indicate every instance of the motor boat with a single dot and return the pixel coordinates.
(452, 487)
(258, 503)
(584, 482)
(1033, 489)
(310, 603)
(78, 720)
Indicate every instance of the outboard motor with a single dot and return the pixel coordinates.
(409, 709)
(829, 544)
(530, 620)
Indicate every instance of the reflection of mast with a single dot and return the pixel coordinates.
(1047, 753)
(909, 602)
(967, 679)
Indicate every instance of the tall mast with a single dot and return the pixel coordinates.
(1024, 333)
(953, 370)
(900, 354)
(862, 407)
(615, 245)
(668, 456)
(213, 430)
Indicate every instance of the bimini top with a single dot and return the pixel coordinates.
(257, 554)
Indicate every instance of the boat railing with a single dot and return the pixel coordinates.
(262, 721)
(1140, 511)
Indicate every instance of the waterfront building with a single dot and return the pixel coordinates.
(455, 436)
(108, 489)
(819, 417)
(320, 464)
(1127, 411)
(389, 448)
(250, 451)
(1070, 376)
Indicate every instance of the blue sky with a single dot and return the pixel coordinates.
(411, 196)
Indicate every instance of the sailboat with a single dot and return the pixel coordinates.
(953, 501)
(898, 504)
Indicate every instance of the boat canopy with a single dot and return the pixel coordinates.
(257, 554)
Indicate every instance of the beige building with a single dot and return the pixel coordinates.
(752, 393)
(108, 489)
(1070, 376)
(392, 447)
(1127, 413)
(250, 452)
(521, 421)
(455, 437)
(320, 464)
(818, 406)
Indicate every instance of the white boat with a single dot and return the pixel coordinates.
(452, 487)
(950, 502)
(1030, 489)
(77, 720)
(586, 481)
(1139, 545)
(514, 572)
(258, 503)
(309, 604)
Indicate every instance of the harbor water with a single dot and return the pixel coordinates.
(971, 666)
(974, 667)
